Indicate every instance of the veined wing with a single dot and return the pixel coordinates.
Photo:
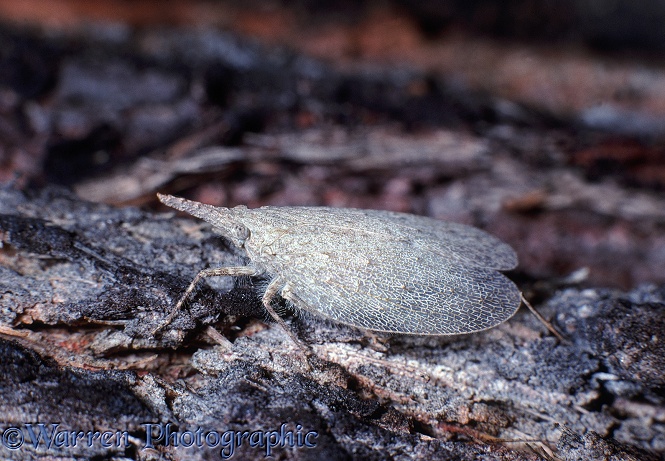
(396, 289)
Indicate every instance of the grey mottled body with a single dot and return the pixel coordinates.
(377, 270)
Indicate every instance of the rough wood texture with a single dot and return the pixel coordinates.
(555, 150)
(85, 284)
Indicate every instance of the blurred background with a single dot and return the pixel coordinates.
(542, 122)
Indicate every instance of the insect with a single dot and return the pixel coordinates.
(377, 270)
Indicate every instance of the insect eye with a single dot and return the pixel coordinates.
(242, 232)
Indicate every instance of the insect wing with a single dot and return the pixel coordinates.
(464, 243)
(393, 285)
(452, 241)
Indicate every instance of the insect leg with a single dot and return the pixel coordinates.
(213, 272)
(542, 319)
(273, 289)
